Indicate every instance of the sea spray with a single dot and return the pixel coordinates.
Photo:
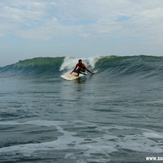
(70, 62)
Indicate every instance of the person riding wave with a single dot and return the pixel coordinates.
(80, 67)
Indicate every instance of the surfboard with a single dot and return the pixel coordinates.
(71, 76)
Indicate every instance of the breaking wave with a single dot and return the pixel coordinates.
(109, 65)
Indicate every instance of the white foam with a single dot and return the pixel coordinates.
(45, 123)
(153, 135)
(67, 141)
(101, 145)
(69, 62)
(9, 123)
(91, 61)
(139, 143)
(36, 122)
(60, 144)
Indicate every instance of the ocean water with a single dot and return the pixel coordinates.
(114, 115)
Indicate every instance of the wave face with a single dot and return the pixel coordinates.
(130, 65)
(36, 66)
(146, 66)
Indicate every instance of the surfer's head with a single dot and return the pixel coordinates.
(80, 61)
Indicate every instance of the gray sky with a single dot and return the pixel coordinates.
(79, 28)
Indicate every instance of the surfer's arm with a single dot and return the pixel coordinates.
(74, 69)
(89, 70)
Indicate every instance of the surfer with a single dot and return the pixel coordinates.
(80, 67)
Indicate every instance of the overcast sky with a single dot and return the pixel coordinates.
(80, 28)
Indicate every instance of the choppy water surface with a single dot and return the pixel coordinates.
(114, 115)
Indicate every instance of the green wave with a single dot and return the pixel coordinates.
(108, 65)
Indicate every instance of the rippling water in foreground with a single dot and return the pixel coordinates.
(114, 115)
